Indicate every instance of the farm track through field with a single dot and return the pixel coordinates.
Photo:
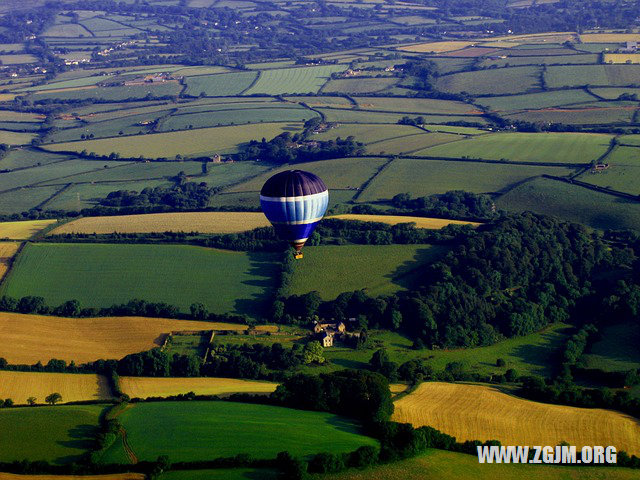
(127, 447)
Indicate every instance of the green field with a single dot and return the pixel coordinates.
(622, 178)
(455, 466)
(536, 100)
(496, 81)
(221, 85)
(381, 269)
(616, 349)
(293, 80)
(541, 60)
(411, 143)
(113, 94)
(526, 147)
(341, 173)
(25, 199)
(586, 114)
(614, 93)
(58, 434)
(573, 203)
(99, 275)
(359, 85)
(531, 354)
(368, 132)
(191, 143)
(418, 106)
(240, 116)
(427, 177)
(343, 115)
(189, 431)
(597, 75)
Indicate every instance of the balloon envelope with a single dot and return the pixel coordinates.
(294, 201)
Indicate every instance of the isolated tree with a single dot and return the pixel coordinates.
(53, 398)
(31, 401)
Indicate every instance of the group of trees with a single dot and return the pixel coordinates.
(286, 148)
(512, 279)
(456, 204)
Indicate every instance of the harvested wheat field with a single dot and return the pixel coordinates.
(477, 412)
(203, 222)
(143, 387)
(113, 476)
(7, 251)
(74, 387)
(23, 230)
(32, 338)
(421, 222)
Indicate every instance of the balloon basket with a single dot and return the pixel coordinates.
(298, 255)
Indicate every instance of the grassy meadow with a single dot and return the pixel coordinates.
(573, 203)
(380, 269)
(190, 143)
(200, 430)
(54, 434)
(426, 177)
(101, 275)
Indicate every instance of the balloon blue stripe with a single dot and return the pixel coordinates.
(295, 211)
(295, 232)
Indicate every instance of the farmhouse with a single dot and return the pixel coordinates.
(631, 47)
(327, 332)
(600, 167)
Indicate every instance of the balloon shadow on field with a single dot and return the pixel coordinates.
(263, 270)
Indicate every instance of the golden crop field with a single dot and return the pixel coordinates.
(477, 412)
(7, 252)
(23, 230)
(437, 47)
(112, 476)
(143, 387)
(421, 222)
(203, 222)
(396, 388)
(73, 387)
(622, 58)
(32, 338)
(609, 37)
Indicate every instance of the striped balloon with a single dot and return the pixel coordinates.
(294, 202)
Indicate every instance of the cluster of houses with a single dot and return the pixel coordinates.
(327, 333)
(153, 78)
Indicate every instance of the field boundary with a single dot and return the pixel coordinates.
(366, 184)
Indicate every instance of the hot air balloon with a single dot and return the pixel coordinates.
(294, 202)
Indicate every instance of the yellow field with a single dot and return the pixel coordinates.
(73, 387)
(421, 222)
(437, 47)
(23, 230)
(32, 338)
(113, 476)
(203, 222)
(476, 412)
(622, 57)
(609, 37)
(143, 387)
(396, 388)
(7, 252)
